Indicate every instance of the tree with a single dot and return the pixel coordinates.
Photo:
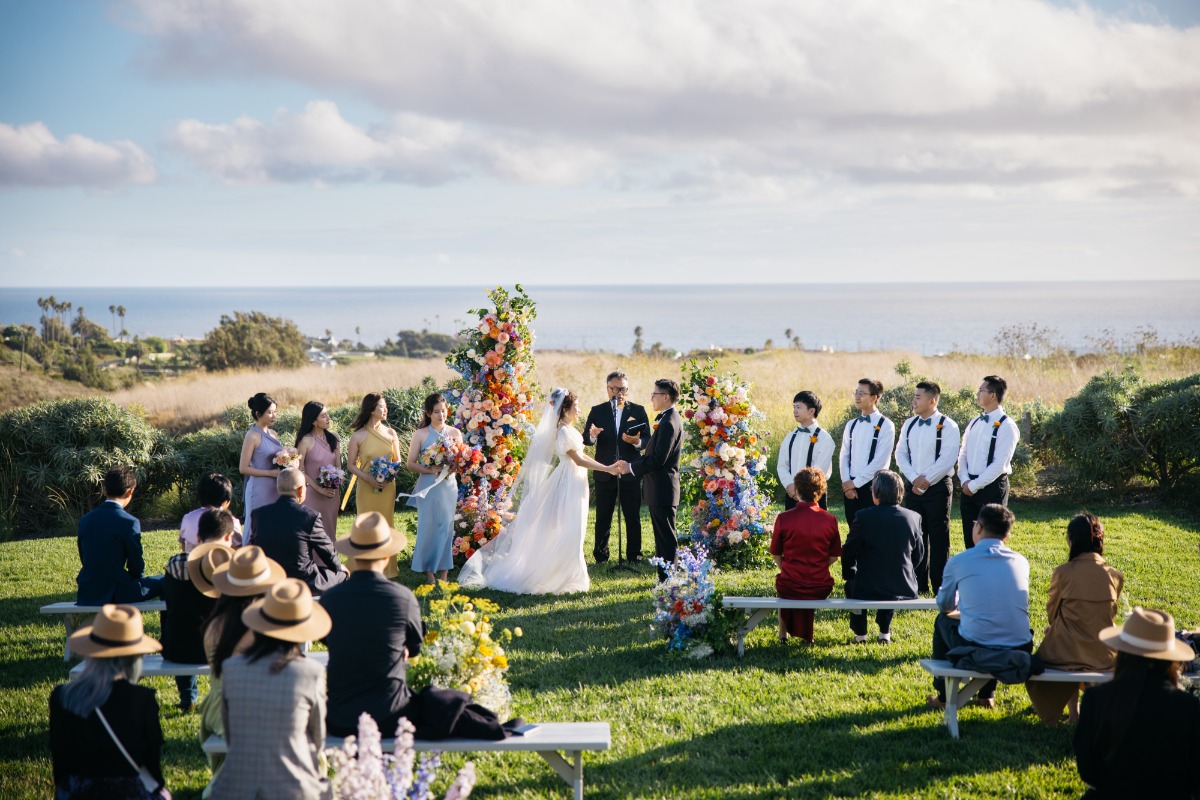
(253, 339)
(637, 340)
(121, 315)
(113, 310)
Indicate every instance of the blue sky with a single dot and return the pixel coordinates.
(297, 142)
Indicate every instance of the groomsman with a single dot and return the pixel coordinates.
(809, 445)
(925, 453)
(620, 431)
(867, 442)
(985, 458)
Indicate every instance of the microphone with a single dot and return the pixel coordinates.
(613, 403)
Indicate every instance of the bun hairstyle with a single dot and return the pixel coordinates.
(259, 404)
(429, 405)
(568, 401)
(1085, 534)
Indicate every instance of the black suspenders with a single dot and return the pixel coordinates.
(991, 447)
(812, 443)
(937, 445)
(874, 442)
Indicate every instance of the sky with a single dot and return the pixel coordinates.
(371, 142)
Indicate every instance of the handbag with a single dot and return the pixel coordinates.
(149, 782)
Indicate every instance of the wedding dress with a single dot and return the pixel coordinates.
(541, 551)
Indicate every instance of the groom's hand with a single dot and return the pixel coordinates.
(594, 432)
(621, 467)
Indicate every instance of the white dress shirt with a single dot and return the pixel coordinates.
(977, 440)
(794, 458)
(863, 470)
(916, 445)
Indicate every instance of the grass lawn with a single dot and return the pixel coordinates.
(785, 721)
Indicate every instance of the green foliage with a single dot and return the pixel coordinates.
(213, 450)
(420, 344)
(59, 451)
(253, 339)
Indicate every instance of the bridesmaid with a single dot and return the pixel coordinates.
(371, 439)
(319, 447)
(258, 448)
(435, 511)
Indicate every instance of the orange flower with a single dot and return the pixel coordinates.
(813, 438)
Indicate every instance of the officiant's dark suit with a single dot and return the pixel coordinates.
(610, 448)
(293, 535)
(659, 470)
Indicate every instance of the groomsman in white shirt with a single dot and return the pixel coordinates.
(867, 443)
(925, 453)
(985, 458)
(809, 445)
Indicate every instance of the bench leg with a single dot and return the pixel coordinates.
(71, 621)
(957, 695)
(751, 623)
(570, 771)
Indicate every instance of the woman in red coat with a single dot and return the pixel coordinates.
(804, 545)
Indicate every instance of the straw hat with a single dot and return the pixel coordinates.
(288, 613)
(248, 573)
(371, 537)
(116, 631)
(1150, 634)
(203, 561)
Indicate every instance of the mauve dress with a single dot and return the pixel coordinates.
(260, 491)
(319, 455)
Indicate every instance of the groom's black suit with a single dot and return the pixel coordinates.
(660, 484)
(609, 449)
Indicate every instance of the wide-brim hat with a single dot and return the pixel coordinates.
(203, 562)
(371, 537)
(1150, 634)
(116, 631)
(248, 573)
(288, 612)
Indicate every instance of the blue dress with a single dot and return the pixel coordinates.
(435, 518)
(261, 491)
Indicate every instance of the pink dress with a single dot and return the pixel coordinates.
(319, 456)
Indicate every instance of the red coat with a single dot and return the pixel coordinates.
(807, 538)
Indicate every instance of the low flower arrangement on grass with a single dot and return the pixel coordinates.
(463, 650)
(360, 770)
(688, 610)
(727, 467)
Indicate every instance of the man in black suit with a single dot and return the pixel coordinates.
(293, 535)
(110, 548)
(620, 431)
(881, 553)
(660, 468)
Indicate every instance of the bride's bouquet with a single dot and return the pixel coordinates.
(384, 469)
(331, 477)
(286, 457)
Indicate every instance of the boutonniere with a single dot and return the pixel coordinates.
(653, 426)
(813, 438)
(879, 427)
(939, 427)
(996, 424)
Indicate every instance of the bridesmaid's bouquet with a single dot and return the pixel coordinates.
(453, 456)
(286, 457)
(331, 477)
(437, 456)
(384, 469)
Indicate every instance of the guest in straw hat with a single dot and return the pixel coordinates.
(1139, 734)
(273, 701)
(104, 728)
(376, 629)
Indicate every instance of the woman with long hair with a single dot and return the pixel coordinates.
(105, 737)
(1139, 734)
(1084, 595)
(259, 447)
(372, 439)
(319, 447)
(433, 499)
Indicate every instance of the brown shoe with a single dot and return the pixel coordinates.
(933, 701)
(985, 702)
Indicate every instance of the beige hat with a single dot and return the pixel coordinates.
(248, 573)
(1150, 634)
(371, 537)
(288, 613)
(116, 631)
(203, 561)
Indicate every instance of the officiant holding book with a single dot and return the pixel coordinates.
(620, 431)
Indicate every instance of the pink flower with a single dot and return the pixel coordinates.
(503, 337)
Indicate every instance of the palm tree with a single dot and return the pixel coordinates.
(121, 314)
(113, 310)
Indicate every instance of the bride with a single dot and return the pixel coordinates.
(542, 550)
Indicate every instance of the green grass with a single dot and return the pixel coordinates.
(785, 721)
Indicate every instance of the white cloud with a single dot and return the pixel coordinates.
(30, 155)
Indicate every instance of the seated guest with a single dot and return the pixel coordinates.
(805, 544)
(293, 535)
(187, 606)
(110, 548)
(376, 629)
(88, 761)
(273, 701)
(1139, 734)
(213, 491)
(989, 586)
(1083, 601)
(881, 553)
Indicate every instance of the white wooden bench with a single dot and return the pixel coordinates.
(547, 740)
(155, 664)
(962, 684)
(765, 606)
(76, 616)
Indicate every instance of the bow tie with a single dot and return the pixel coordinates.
(660, 416)
(925, 421)
(983, 417)
(865, 418)
(802, 430)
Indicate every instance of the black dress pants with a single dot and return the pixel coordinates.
(662, 518)
(946, 637)
(630, 492)
(994, 492)
(864, 500)
(934, 508)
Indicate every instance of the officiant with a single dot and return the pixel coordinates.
(620, 431)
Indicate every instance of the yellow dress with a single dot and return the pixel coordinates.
(365, 497)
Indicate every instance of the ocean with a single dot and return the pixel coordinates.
(923, 318)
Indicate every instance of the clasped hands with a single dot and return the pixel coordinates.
(621, 468)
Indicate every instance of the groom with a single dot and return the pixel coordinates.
(660, 469)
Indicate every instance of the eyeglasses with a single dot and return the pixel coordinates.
(654, 393)
(862, 394)
(619, 389)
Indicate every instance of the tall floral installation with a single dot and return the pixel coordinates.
(494, 400)
(726, 467)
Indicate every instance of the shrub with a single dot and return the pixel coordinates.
(253, 339)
